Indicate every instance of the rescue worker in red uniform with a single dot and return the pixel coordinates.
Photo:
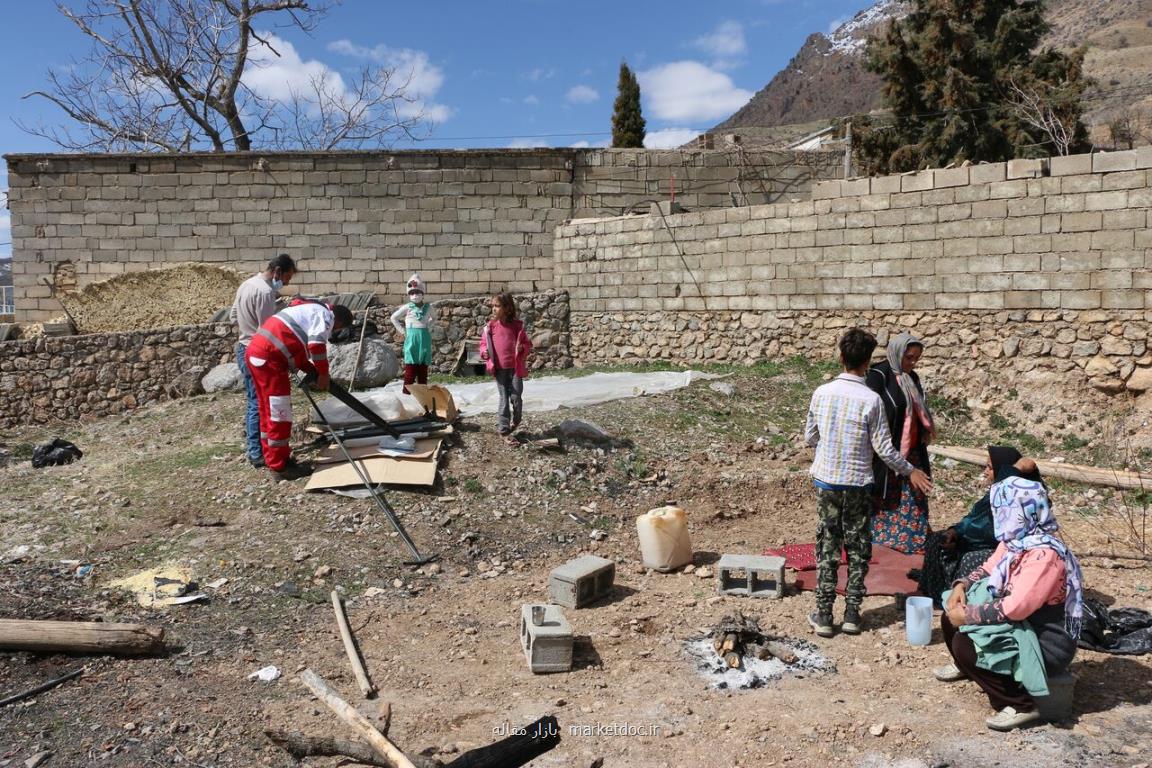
(294, 339)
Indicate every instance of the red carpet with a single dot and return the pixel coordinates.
(887, 570)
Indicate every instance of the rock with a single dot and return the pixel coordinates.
(878, 730)
(1140, 380)
(1108, 384)
(187, 384)
(322, 572)
(578, 430)
(224, 377)
(373, 592)
(1100, 366)
(378, 362)
(597, 535)
(722, 387)
(1011, 346)
(37, 759)
(703, 573)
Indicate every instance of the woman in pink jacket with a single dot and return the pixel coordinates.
(506, 350)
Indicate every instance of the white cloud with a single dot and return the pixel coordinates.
(420, 77)
(688, 91)
(539, 73)
(582, 94)
(585, 144)
(528, 143)
(724, 44)
(667, 138)
(531, 99)
(280, 77)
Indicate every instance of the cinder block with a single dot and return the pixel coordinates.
(1025, 169)
(548, 647)
(987, 173)
(1057, 705)
(1104, 162)
(950, 177)
(1070, 165)
(750, 575)
(916, 182)
(582, 581)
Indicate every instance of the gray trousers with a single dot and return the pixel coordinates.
(510, 389)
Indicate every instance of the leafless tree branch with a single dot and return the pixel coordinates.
(169, 75)
(1039, 112)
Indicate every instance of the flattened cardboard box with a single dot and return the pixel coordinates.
(379, 469)
(435, 399)
(426, 448)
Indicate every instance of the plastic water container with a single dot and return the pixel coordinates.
(664, 543)
(918, 620)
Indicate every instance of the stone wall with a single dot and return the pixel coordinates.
(472, 222)
(545, 317)
(48, 379)
(65, 378)
(1019, 266)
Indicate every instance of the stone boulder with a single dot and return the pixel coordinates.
(224, 377)
(1140, 380)
(187, 384)
(378, 362)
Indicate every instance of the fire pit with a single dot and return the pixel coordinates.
(737, 654)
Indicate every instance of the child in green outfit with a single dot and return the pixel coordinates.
(417, 320)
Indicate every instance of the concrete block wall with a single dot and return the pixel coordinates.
(1066, 244)
(472, 222)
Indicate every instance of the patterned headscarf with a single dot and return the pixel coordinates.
(1024, 520)
(917, 415)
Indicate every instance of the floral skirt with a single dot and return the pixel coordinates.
(901, 518)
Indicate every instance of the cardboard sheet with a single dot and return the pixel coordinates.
(379, 469)
(435, 399)
(426, 448)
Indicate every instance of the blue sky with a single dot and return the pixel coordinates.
(502, 73)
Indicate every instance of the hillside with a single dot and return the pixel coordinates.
(827, 78)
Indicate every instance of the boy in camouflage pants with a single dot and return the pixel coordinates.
(846, 424)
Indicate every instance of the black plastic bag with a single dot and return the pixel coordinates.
(1124, 631)
(55, 453)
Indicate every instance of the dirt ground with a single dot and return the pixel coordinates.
(167, 484)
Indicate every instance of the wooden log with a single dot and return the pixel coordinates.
(358, 671)
(733, 660)
(378, 741)
(301, 746)
(779, 651)
(515, 750)
(1110, 478)
(82, 637)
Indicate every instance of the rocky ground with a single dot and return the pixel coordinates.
(166, 484)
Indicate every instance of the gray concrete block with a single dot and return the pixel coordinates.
(582, 581)
(750, 575)
(548, 647)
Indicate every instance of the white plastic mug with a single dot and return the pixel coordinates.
(918, 620)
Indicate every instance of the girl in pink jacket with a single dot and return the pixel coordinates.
(506, 350)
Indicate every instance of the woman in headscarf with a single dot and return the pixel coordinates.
(1031, 588)
(901, 518)
(957, 550)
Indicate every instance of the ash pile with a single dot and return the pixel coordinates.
(736, 653)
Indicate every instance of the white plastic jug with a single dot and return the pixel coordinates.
(918, 620)
(664, 543)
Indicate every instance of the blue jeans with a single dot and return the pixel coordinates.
(252, 414)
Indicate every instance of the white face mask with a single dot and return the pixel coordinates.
(416, 297)
(277, 284)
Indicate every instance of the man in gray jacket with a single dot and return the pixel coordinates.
(255, 302)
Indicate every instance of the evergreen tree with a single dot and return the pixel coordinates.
(628, 126)
(957, 75)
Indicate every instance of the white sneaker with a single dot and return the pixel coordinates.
(949, 673)
(1009, 719)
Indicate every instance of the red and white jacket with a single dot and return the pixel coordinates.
(300, 332)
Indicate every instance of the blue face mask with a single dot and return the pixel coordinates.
(277, 285)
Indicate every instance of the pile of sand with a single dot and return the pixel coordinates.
(187, 294)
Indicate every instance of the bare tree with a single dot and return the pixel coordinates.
(173, 75)
(1041, 111)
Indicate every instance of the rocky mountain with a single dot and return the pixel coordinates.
(827, 78)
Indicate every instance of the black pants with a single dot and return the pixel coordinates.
(1003, 690)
